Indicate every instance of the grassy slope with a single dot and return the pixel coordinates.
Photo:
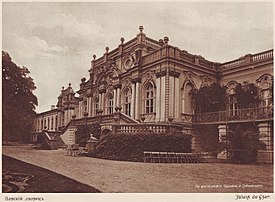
(45, 181)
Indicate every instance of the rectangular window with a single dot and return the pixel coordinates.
(128, 109)
(52, 124)
(56, 122)
(110, 105)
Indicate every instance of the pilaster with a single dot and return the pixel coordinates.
(133, 100)
(222, 139)
(266, 155)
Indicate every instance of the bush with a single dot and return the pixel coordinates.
(242, 143)
(130, 147)
(83, 132)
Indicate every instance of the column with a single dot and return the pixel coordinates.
(58, 120)
(158, 94)
(100, 101)
(103, 98)
(118, 97)
(265, 136)
(54, 122)
(89, 106)
(115, 100)
(171, 96)
(222, 139)
(162, 99)
(177, 98)
(65, 117)
(133, 100)
(137, 103)
(79, 109)
(183, 101)
(69, 114)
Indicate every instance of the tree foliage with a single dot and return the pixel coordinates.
(247, 95)
(242, 143)
(210, 98)
(84, 131)
(18, 100)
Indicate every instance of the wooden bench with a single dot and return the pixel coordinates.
(170, 157)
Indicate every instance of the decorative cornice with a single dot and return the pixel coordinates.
(136, 80)
(117, 86)
(174, 74)
(160, 74)
(102, 90)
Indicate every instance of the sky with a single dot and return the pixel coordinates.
(56, 41)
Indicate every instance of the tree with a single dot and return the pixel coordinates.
(210, 98)
(18, 100)
(84, 131)
(242, 143)
(247, 95)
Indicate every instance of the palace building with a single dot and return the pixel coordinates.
(145, 84)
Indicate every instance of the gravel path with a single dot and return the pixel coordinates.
(131, 177)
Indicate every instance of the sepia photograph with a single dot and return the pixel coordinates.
(137, 97)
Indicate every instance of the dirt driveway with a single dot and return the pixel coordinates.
(130, 177)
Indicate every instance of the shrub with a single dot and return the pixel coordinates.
(83, 132)
(130, 147)
(242, 143)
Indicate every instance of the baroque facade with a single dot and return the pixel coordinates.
(148, 82)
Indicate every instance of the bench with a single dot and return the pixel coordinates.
(170, 157)
(73, 149)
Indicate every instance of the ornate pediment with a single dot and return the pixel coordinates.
(189, 76)
(265, 81)
(204, 80)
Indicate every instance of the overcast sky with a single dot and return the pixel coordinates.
(56, 41)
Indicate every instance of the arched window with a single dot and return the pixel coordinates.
(48, 123)
(56, 120)
(41, 124)
(127, 102)
(96, 104)
(265, 84)
(110, 104)
(187, 104)
(85, 104)
(232, 101)
(149, 98)
(233, 105)
(52, 124)
(63, 118)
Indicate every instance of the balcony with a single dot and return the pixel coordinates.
(146, 128)
(239, 115)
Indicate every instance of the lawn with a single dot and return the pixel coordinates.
(24, 177)
(111, 176)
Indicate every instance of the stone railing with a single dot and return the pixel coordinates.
(248, 59)
(258, 113)
(146, 128)
(233, 63)
(187, 56)
(152, 43)
(263, 55)
(152, 57)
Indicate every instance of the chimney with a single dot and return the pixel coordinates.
(52, 107)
